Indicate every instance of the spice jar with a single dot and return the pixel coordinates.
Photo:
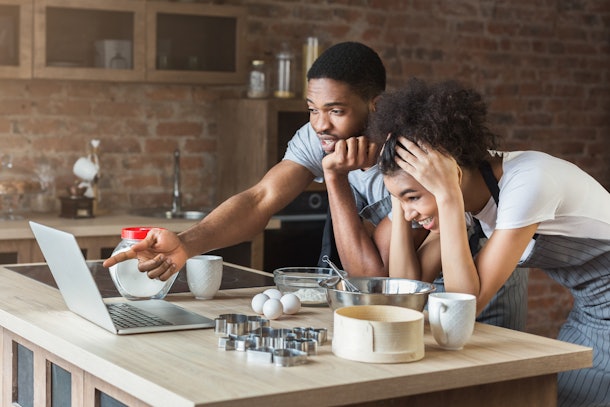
(128, 279)
(258, 85)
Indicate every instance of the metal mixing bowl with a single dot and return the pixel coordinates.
(400, 292)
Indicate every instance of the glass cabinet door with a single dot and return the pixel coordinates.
(196, 43)
(90, 39)
(15, 38)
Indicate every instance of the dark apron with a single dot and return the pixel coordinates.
(373, 213)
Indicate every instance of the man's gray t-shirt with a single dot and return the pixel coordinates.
(372, 198)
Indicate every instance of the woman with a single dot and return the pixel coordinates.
(439, 162)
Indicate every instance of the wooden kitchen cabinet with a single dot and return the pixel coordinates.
(34, 376)
(253, 137)
(195, 43)
(122, 40)
(16, 38)
(15, 251)
(89, 39)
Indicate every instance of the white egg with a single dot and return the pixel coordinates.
(273, 293)
(258, 301)
(273, 309)
(291, 303)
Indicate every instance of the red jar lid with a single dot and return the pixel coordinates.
(135, 233)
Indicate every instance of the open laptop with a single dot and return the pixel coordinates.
(83, 297)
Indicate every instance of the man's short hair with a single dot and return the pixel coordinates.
(353, 63)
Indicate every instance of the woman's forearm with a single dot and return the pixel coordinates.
(403, 262)
(459, 271)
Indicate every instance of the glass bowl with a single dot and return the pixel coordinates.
(304, 282)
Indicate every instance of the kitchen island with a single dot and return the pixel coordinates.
(497, 367)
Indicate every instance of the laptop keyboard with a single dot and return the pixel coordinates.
(125, 315)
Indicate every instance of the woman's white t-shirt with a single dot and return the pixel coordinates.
(538, 188)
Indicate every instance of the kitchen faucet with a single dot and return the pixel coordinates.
(176, 195)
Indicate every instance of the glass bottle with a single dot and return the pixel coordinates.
(128, 279)
(284, 86)
(310, 54)
(258, 85)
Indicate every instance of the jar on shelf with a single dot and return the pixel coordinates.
(258, 84)
(128, 279)
(118, 62)
(310, 54)
(284, 84)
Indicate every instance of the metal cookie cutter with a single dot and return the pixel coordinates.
(301, 332)
(274, 338)
(279, 357)
(319, 334)
(239, 343)
(245, 342)
(309, 346)
(231, 324)
(264, 355)
(226, 343)
(256, 321)
(289, 357)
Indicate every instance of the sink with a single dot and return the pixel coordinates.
(168, 214)
(176, 211)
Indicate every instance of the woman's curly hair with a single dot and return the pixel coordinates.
(447, 116)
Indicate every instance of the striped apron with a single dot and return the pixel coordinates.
(583, 266)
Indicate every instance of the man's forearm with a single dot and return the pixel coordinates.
(236, 220)
(358, 253)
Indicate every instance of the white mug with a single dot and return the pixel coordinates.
(452, 317)
(204, 275)
(85, 169)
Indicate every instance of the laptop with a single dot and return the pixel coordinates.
(82, 296)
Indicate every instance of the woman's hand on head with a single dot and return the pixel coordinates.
(434, 170)
(160, 254)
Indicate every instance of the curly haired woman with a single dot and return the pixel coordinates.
(440, 161)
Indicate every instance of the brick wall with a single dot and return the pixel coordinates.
(544, 67)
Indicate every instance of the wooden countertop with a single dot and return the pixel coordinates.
(103, 225)
(188, 369)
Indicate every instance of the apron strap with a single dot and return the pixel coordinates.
(490, 180)
(492, 185)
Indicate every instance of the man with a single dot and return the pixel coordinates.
(342, 86)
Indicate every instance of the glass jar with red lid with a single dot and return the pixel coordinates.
(128, 279)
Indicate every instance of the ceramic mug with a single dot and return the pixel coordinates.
(452, 317)
(204, 275)
(85, 169)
